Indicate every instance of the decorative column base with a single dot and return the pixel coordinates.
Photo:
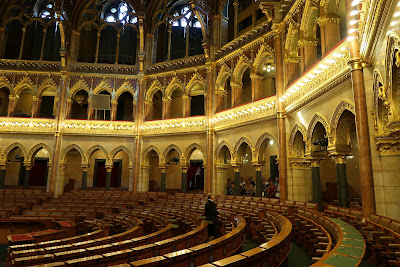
(84, 178)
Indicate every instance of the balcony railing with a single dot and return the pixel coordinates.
(179, 125)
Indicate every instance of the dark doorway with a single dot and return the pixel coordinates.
(195, 175)
(273, 166)
(39, 172)
(100, 173)
(46, 107)
(197, 105)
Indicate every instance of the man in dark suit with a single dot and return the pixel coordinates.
(211, 214)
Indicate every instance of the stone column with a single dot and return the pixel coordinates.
(108, 177)
(117, 52)
(43, 44)
(220, 100)
(210, 136)
(166, 108)
(362, 128)
(236, 93)
(256, 87)
(21, 48)
(237, 179)
(169, 43)
(293, 67)
(84, 177)
(148, 105)
(330, 32)
(12, 105)
(163, 174)
(280, 90)
(316, 183)
(97, 47)
(184, 179)
(2, 42)
(235, 17)
(59, 183)
(34, 106)
(27, 176)
(144, 181)
(259, 185)
(308, 53)
(68, 108)
(130, 182)
(221, 179)
(343, 195)
(114, 107)
(186, 105)
(2, 175)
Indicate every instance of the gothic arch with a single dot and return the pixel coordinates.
(103, 86)
(298, 127)
(263, 54)
(196, 79)
(125, 87)
(224, 73)
(315, 119)
(220, 146)
(260, 140)
(309, 21)
(238, 144)
(191, 148)
(173, 85)
(155, 86)
(97, 147)
(79, 85)
(4, 82)
(171, 147)
(32, 152)
(121, 148)
(11, 147)
(393, 44)
(241, 67)
(25, 83)
(292, 39)
(330, 6)
(68, 149)
(47, 84)
(147, 151)
(343, 105)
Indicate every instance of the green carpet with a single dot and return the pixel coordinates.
(248, 244)
(298, 257)
(3, 255)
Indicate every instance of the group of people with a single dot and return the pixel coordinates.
(270, 188)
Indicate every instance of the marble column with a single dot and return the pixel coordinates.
(308, 53)
(330, 32)
(2, 175)
(12, 105)
(84, 177)
(237, 180)
(130, 182)
(59, 183)
(281, 115)
(166, 108)
(316, 183)
(144, 180)
(108, 177)
(221, 179)
(235, 18)
(148, 108)
(114, 107)
(256, 87)
(362, 128)
(21, 48)
(259, 185)
(343, 195)
(220, 95)
(163, 174)
(34, 107)
(186, 105)
(68, 108)
(293, 67)
(184, 179)
(236, 95)
(27, 175)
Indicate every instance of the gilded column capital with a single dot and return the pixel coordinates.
(332, 19)
(255, 76)
(295, 60)
(236, 167)
(314, 161)
(145, 168)
(356, 64)
(308, 42)
(163, 168)
(339, 159)
(166, 99)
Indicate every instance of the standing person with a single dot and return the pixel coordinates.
(211, 213)
(229, 188)
(242, 185)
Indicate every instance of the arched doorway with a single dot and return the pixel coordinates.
(79, 106)
(47, 103)
(15, 169)
(24, 105)
(157, 106)
(40, 169)
(195, 172)
(73, 168)
(125, 110)
(4, 95)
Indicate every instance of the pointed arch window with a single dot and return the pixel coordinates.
(108, 33)
(35, 35)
